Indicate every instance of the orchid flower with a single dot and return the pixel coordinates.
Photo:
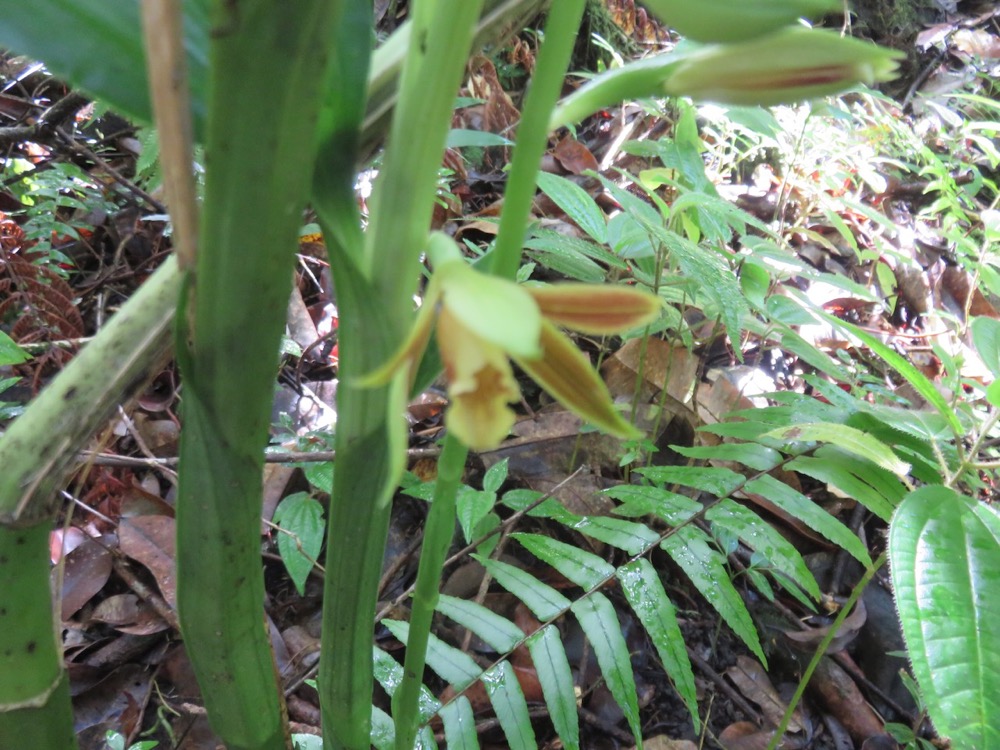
(483, 322)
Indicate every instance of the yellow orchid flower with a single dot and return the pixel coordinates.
(483, 322)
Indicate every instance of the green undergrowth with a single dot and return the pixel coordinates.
(858, 419)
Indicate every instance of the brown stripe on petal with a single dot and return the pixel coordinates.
(598, 309)
(567, 375)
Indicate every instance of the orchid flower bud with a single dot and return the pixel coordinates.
(788, 66)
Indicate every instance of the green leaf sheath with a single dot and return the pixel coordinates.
(34, 689)
(366, 472)
(403, 198)
(258, 178)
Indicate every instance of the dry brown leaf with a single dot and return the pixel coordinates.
(842, 698)
(88, 568)
(752, 680)
(149, 540)
(573, 156)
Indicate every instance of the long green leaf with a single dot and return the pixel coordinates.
(552, 667)
(460, 725)
(944, 552)
(720, 482)
(577, 204)
(690, 548)
(847, 438)
(583, 568)
(644, 591)
(904, 367)
(812, 515)
(846, 475)
(500, 633)
(600, 624)
(455, 666)
(638, 500)
(389, 674)
(764, 539)
(544, 601)
(510, 706)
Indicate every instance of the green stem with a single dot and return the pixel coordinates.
(821, 650)
(532, 132)
(532, 137)
(438, 533)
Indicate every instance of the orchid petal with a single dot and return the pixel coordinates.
(481, 384)
(566, 373)
(412, 349)
(496, 310)
(598, 309)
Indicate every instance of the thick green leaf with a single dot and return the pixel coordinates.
(69, 35)
(854, 441)
(600, 624)
(986, 337)
(583, 568)
(578, 205)
(389, 674)
(753, 455)
(705, 566)
(544, 601)
(552, 667)
(845, 474)
(452, 665)
(638, 500)
(812, 515)
(644, 591)
(944, 551)
(500, 633)
(10, 352)
(301, 517)
(764, 539)
(460, 725)
(720, 482)
(510, 706)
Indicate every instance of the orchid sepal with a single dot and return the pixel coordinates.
(598, 310)
(568, 376)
